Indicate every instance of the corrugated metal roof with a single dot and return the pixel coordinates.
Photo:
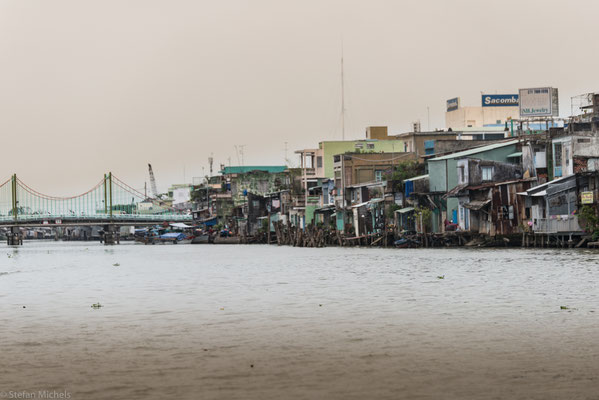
(477, 204)
(417, 178)
(476, 150)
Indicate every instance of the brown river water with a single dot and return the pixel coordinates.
(267, 322)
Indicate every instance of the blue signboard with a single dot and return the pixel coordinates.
(453, 104)
(500, 100)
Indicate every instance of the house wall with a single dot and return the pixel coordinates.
(415, 142)
(443, 174)
(361, 168)
(465, 117)
(446, 145)
(331, 148)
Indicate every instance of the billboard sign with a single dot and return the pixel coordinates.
(539, 102)
(453, 104)
(500, 100)
(586, 197)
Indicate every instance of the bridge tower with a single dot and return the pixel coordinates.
(112, 234)
(14, 237)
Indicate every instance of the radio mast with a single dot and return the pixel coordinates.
(342, 97)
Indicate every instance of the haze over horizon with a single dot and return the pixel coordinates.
(91, 87)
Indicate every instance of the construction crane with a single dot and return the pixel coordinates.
(153, 182)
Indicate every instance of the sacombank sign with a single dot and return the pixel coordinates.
(500, 100)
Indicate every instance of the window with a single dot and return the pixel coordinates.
(557, 150)
(359, 145)
(319, 162)
(370, 146)
(487, 173)
(461, 169)
(498, 122)
(378, 175)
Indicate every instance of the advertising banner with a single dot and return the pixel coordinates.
(586, 197)
(500, 100)
(453, 104)
(538, 102)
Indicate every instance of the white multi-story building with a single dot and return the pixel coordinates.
(495, 110)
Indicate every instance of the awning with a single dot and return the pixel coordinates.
(542, 193)
(209, 221)
(180, 225)
(477, 204)
(378, 200)
(330, 208)
(359, 205)
(432, 203)
(404, 210)
(515, 155)
(453, 192)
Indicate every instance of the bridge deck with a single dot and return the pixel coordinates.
(90, 220)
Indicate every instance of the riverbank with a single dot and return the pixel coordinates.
(314, 236)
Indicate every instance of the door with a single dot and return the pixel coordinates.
(467, 219)
(454, 217)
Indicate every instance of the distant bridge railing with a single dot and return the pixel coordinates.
(98, 217)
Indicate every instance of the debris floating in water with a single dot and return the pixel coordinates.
(97, 305)
(441, 277)
(116, 264)
(566, 308)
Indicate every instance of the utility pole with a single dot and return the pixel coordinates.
(241, 146)
(428, 117)
(237, 154)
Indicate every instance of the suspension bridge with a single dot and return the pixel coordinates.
(110, 203)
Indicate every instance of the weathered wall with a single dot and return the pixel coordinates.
(449, 146)
(331, 148)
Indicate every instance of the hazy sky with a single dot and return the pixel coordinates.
(88, 87)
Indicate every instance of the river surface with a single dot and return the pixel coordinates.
(267, 322)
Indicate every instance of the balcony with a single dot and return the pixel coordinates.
(309, 171)
(546, 225)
